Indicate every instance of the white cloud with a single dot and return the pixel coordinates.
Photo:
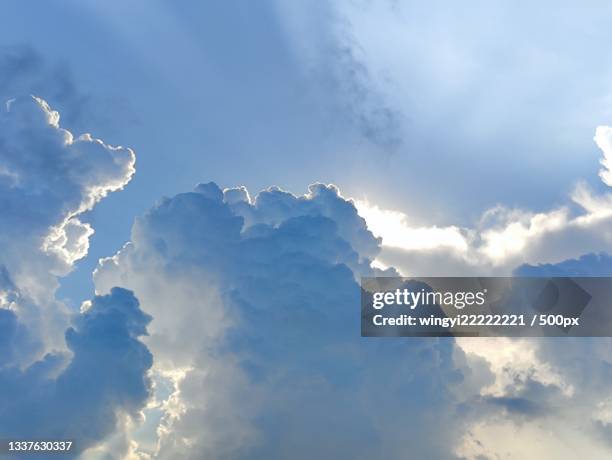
(52, 178)
(253, 304)
(61, 377)
(393, 227)
(49, 179)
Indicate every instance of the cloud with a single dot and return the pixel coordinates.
(502, 238)
(48, 180)
(255, 334)
(60, 377)
(603, 139)
(551, 392)
(272, 273)
(561, 384)
(79, 397)
(273, 206)
(236, 284)
(586, 265)
(260, 354)
(525, 384)
(399, 234)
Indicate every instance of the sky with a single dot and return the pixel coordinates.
(246, 164)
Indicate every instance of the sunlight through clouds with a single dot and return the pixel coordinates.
(395, 231)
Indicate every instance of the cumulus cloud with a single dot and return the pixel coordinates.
(78, 397)
(254, 331)
(273, 206)
(48, 179)
(260, 355)
(261, 339)
(78, 378)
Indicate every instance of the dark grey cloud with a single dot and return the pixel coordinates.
(516, 405)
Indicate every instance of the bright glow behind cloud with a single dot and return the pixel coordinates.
(603, 138)
(395, 231)
(504, 237)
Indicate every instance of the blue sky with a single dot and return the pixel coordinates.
(463, 133)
